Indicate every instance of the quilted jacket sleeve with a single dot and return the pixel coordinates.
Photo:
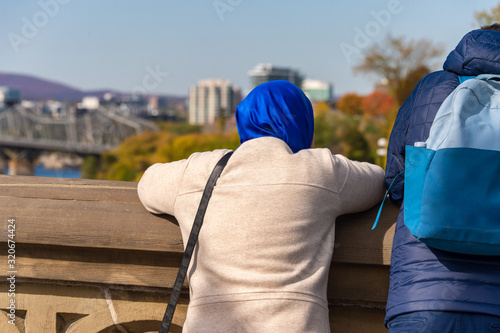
(396, 148)
(413, 124)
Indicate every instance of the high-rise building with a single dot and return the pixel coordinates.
(212, 99)
(317, 91)
(267, 72)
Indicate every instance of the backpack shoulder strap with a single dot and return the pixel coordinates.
(487, 77)
(193, 238)
(484, 77)
(463, 78)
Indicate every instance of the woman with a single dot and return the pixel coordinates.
(264, 251)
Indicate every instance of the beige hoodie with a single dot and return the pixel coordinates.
(263, 255)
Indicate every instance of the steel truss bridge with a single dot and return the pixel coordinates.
(84, 132)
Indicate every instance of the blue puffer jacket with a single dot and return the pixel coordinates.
(423, 278)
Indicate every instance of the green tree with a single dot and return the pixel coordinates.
(90, 167)
(354, 143)
(324, 128)
(221, 120)
(343, 134)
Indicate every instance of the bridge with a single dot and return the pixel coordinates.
(24, 132)
(89, 258)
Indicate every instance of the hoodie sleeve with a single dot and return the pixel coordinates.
(159, 186)
(363, 185)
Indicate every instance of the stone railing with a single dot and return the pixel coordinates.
(89, 258)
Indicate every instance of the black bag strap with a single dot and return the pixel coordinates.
(193, 238)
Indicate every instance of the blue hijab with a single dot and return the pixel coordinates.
(278, 109)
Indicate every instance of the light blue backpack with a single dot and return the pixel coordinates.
(452, 180)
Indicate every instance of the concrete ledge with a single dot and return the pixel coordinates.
(82, 245)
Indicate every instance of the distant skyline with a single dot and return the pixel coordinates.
(166, 46)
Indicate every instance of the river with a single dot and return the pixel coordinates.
(41, 171)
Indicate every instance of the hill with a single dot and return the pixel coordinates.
(34, 88)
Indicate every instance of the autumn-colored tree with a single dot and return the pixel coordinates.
(129, 161)
(179, 128)
(342, 134)
(324, 129)
(409, 82)
(354, 129)
(398, 61)
(378, 103)
(321, 108)
(350, 104)
(487, 17)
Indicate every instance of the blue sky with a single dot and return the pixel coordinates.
(116, 44)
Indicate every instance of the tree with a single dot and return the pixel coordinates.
(350, 104)
(409, 82)
(321, 108)
(354, 143)
(396, 61)
(487, 17)
(90, 167)
(378, 103)
(355, 130)
(221, 120)
(129, 161)
(342, 134)
(324, 129)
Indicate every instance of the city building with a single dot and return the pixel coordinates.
(89, 103)
(267, 72)
(318, 91)
(9, 96)
(212, 99)
(53, 108)
(156, 105)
